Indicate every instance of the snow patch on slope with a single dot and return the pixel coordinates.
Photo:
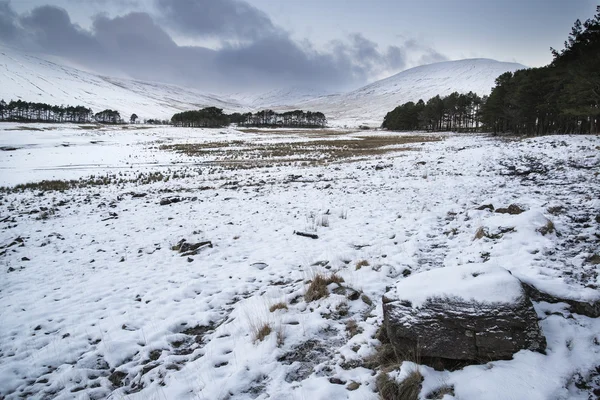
(30, 78)
(369, 104)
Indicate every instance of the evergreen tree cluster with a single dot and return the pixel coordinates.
(209, 117)
(212, 117)
(108, 117)
(288, 119)
(23, 111)
(562, 97)
(456, 112)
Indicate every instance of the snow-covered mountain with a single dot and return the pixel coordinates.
(32, 78)
(369, 104)
(278, 98)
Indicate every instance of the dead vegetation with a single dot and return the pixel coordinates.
(547, 228)
(361, 263)
(408, 389)
(317, 289)
(322, 149)
(262, 332)
(278, 306)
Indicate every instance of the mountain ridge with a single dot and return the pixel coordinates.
(32, 78)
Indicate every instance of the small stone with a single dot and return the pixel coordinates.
(25, 259)
(353, 386)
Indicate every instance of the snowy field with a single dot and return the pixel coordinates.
(99, 298)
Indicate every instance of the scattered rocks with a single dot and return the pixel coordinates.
(117, 378)
(189, 249)
(169, 200)
(589, 309)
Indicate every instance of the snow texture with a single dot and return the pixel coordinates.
(477, 283)
(94, 302)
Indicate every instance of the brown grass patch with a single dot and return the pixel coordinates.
(318, 286)
(408, 389)
(362, 263)
(547, 228)
(262, 332)
(278, 306)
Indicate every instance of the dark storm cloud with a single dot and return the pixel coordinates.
(8, 28)
(136, 45)
(52, 30)
(223, 18)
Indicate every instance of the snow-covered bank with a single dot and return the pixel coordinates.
(95, 302)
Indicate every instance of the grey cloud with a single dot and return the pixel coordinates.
(51, 28)
(8, 28)
(230, 19)
(136, 45)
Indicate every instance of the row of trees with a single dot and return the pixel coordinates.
(289, 119)
(456, 112)
(209, 117)
(24, 111)
(562, 97)
(212, 117)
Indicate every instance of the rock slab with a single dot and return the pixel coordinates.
(472, 314)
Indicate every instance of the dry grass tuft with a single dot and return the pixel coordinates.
(480, 233)
(548, 228)
(362, 263)
(408, 389)
(278, 306)
(262, 332)
(352, 328)
(318, 286)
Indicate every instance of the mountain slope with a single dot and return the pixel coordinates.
(30, 78)
(369, 104)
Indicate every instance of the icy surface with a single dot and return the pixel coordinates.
(95, 302)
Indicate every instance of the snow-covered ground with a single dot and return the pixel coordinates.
(97, 299)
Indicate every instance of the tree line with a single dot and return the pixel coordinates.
(24, 111)
(456, 112)
(288, 119)
(212, 117)
(562, 97)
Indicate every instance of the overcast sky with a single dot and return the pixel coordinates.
(245, 45)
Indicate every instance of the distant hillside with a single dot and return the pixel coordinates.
(370, 103)
(31, 78)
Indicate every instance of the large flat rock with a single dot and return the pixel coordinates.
(472, 313)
